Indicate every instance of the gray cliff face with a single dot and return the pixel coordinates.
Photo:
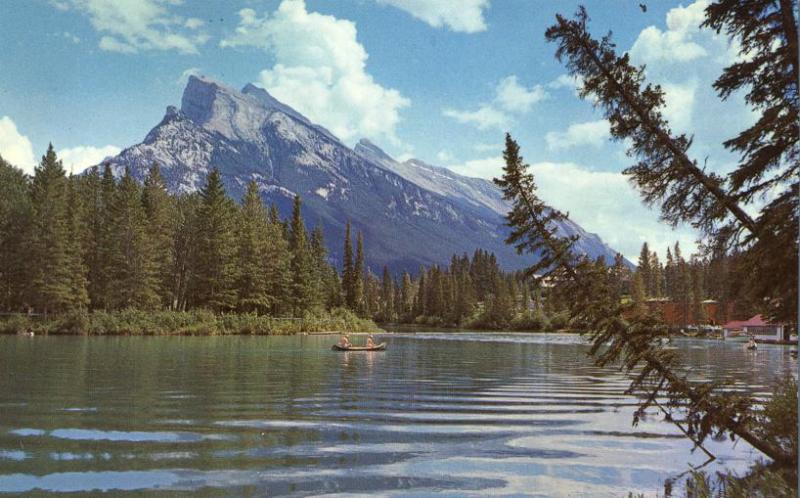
(411, 213)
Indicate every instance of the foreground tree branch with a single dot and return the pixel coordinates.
(622, 337)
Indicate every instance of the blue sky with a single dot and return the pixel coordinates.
(437, 80)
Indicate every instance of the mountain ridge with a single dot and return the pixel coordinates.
(407, 217)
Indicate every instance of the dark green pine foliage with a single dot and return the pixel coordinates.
(359, 277)
(302, 288)
(75, 247)
(101, 266)
(254, 256)
(767, 74)
(51, 283)
(323, 282)
(185, 251)
(387, 296)
(135, 281)
(348, 270)
(160, 232)
(215, 270)
(15, 222)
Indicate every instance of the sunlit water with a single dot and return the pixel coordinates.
(449, 414)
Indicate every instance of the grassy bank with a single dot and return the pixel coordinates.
(197, 322)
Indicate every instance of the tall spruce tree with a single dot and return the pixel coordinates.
(135, 281)
(215, 269)
(359, 277)
(160, 231)
(301, 266)
(15, 223)
(348, 270)
(252, 233)
(51, 285)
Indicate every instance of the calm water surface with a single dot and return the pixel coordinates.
(448, 414)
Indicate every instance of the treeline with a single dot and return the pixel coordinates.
(469, 292)
(93, 242)
(689, 282)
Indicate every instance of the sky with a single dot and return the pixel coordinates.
(441, 81)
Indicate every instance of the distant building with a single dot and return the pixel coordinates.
(680, 314)
(760, 329)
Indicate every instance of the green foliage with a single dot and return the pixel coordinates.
(195, 322)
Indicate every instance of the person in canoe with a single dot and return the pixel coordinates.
(344, 341)
(370, 341)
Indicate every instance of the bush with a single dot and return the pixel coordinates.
(195, 322)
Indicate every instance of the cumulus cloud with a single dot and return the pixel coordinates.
(444, 156)
(510, 98)
(591, 133)
(458, 15)
(77, 159)
(184, 77)
(130, 26)
(15, 147)
(678, 43)
(679, 102)
(599, 201)
(320, 70)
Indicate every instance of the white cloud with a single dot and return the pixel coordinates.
(514, 97)
(509, 98)
(591, 133)
(15, 147)
(488, 147)
(678, 43)
(679, 104)
(320, 70)
(130, 26)
(444, 156)
(184, 77)
(483, 118)
(602, 202)
(464, 16)
(194, 23)
(77, 159)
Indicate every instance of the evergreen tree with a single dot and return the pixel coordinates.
(215, 270)
(321, 274)
(252, 234)
(301, 267)
(135, 280)
(348, 270)
(359, 276)
(15, 223)
(75, 262)
(160, 228)
(387, 296)
(51, 283)
(644, 270)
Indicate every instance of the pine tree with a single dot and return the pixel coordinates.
(301, 271)
(644, 270)
(187, 236)
(15, 223)
(387, 296)
(348, 271)
(320, 280)
(160, 231)
(135, 281)
(407, 294)
(215, 269)
(75, 249)
(359, 276)
(252, 234)
(51, 282)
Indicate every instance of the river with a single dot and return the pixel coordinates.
(463, 414)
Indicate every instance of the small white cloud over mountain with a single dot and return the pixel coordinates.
(77, 159)
(320, 70)
(15, 147)
(510, 98)
(591, 133)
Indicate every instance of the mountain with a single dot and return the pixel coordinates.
(411, 213)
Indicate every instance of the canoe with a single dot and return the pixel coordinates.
(377, 347)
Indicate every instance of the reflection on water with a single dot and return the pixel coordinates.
(447, 414)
